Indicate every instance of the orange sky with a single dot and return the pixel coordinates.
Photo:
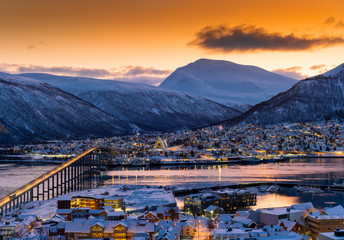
(110, 34)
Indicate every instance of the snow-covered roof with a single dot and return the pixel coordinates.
(211, 208)
(243, 220)
(303, 206)
(337, 210)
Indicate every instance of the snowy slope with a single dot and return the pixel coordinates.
(313, 99)
(226, 82)
(32, 110)
(149, 107)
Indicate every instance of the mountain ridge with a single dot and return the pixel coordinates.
(146, 106)
(35, 111)
(313, 99)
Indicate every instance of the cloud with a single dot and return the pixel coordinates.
(330, 20)
(333, 21)
(138, 74)
(138, 71)
(244, 38)
(34, 45)
(339, 24)
(292, 72)
(316, 67)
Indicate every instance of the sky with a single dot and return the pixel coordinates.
(145, 40)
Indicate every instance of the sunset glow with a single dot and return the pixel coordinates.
(164, 35)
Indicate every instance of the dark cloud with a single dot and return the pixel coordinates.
(292, 72)
(316, 67)
(136, 74)
(245, 38)
(330, 20)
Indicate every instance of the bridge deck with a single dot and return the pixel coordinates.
(41, 179)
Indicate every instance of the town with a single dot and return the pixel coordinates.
(148, 212)
(242, 143)
(132, 212)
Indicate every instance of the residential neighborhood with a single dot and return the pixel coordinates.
(151, 213)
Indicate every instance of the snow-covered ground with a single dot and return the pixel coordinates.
(135, 197)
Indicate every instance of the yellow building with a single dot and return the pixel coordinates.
(114, 202)
(86, 202)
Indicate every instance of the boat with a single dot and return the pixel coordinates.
(273, 188)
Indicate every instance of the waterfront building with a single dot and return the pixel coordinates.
(324, 223)
(197, 203)
(86, 202)
(229, 200)
(234, 200)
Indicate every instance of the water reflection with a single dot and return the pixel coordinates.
(310, 171)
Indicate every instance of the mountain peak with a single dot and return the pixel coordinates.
(335, 71)
(227, 82)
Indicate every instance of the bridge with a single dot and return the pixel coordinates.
(79, 173)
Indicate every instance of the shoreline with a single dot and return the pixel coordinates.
(236, 160)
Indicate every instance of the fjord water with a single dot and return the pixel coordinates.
(311, 171)
(15, 175)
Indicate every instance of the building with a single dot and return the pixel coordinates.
(298, 227)
(80, 213)
(150, 216)
(114, 202)
(220, 234)
(212, 211)
(9, 227)
(93, 203)
(271, 216)
(335, 235)
(168, 213)
(119, 230)
(232, 201)
(324, 223)
(197, 203)
(116, 216)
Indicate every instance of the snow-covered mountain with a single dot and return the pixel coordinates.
(149, 107)
(313, 99)
(32, 111)
(227, 82)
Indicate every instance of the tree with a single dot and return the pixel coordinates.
(210, 225)
(195, 211)
(192, 153)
